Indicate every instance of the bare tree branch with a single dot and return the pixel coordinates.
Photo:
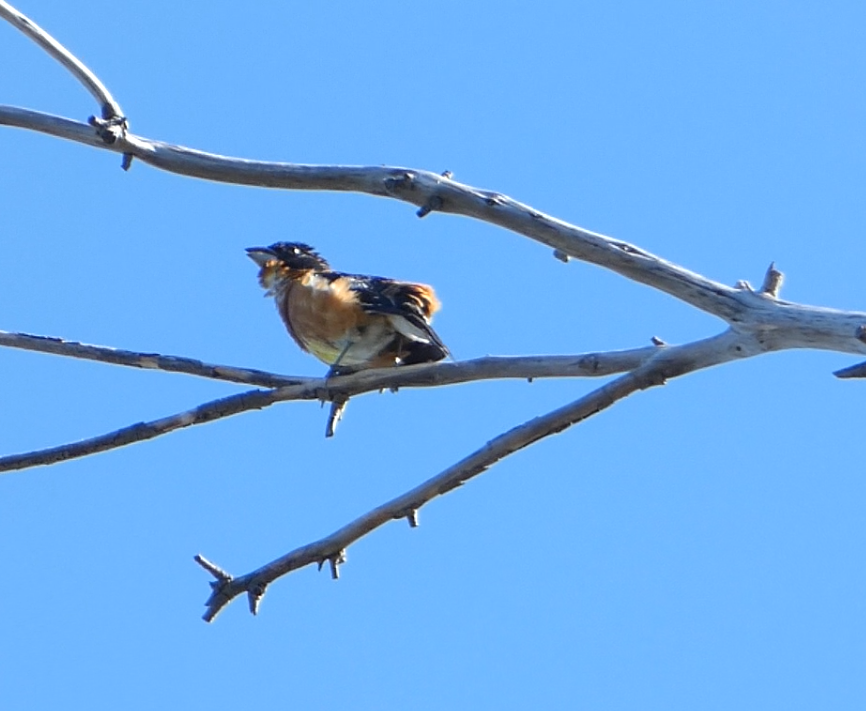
(110, 108)
(759, 322)
(777, 326)
(149, 361)
(209, 411)
(805, 326)
(337, 389)
(529, 367)
(429, 191)
(52, 125)
(665, 364)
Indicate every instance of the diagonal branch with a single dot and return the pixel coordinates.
(799, 326)
(149, 361)
(665, 364)
(340, 388)
(427, 190)
(109, 107)
(208, 412)
(759, 322)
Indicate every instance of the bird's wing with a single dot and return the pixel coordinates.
(409, 306)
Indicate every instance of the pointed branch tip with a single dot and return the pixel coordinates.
(255, 595)
(773, 280)
(852, 371)
(212, 568)
(434, 203)
(338, 406)
(336, 561)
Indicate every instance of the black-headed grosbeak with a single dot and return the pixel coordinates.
(349, 321)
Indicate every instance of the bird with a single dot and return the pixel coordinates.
(350, 322)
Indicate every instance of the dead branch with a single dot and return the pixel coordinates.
(759, 322)
(148, 361)
(335, 389)
(667, 363)
(110, 108)
(796, 325)
(418, 187)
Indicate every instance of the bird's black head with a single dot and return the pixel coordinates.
(294, 255)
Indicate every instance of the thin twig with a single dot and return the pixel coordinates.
(108, 106)
(852, 371)
(338, 408)
(339, 388)
(212, 568)
(669, 363)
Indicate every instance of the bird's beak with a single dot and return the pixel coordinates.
(260, 255)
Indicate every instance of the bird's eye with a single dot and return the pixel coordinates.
(295, 250)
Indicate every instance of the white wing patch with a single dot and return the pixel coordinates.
(406, 328)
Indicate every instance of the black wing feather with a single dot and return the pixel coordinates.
(397, 298)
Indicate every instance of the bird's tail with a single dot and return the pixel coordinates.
(413, 352)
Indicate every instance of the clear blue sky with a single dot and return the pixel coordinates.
(700, 546)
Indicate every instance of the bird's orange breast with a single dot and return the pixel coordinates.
(324, 317)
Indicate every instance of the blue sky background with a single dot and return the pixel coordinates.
(698, 546)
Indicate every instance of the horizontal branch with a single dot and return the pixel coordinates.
(338, 388)
(804, 327)
(666, 363)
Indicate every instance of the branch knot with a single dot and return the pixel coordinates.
(400, 182)
(110, 129)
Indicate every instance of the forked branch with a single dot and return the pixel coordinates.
(427, 190)
(758, 321)
(109, 107)
(665, 364)
(337, 389)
